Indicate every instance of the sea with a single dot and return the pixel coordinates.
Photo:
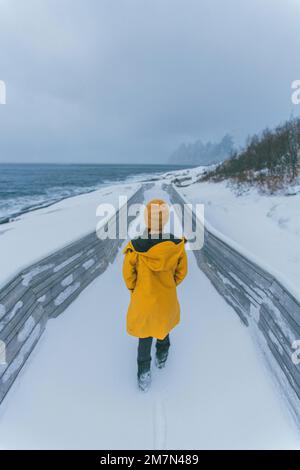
(27, 187)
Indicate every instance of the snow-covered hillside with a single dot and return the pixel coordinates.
(268, 226)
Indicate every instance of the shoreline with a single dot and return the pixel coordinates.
(14, 217)
(131, 178)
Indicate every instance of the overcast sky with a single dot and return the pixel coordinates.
(128, 80)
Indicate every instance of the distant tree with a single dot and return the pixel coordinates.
(199, 153)
(271, 159)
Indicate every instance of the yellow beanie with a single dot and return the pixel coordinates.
(156, 215)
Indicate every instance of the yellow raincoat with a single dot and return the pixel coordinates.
(152, 277)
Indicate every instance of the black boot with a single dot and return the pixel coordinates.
(144, 376)
(162, 351)
(144, 364)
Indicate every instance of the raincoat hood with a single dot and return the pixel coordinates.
(161, 257)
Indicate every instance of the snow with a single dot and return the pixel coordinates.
(18, 361)
(14, 310)
(26, 330)
(88, 264)
(28, 277)
(265, 228)
(78, 389)
(185, 177)
(67, 281)
(36, 234)
(64, 295)
(70, 260)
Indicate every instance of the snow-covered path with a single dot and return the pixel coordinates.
(78, 389)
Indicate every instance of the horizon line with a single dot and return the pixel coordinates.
(96, 163)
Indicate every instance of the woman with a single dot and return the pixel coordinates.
(153, 267)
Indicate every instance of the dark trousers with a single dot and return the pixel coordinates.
(144, 351)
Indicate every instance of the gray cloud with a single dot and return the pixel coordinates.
(128, 80)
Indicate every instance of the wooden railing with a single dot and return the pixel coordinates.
(44, 290)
